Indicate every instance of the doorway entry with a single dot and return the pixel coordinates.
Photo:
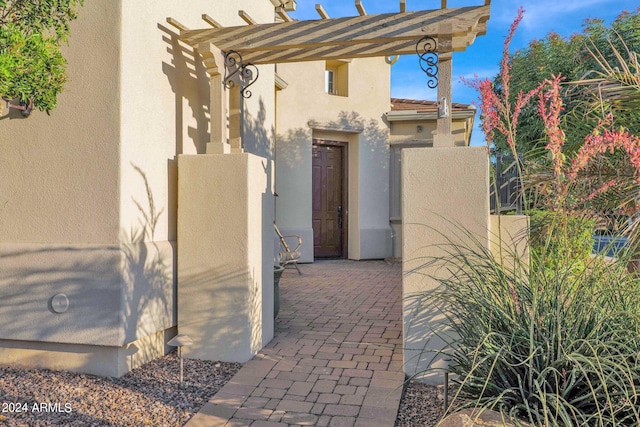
(329, 199)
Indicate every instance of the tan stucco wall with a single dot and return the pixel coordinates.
(165, 99)
(59, 174)
(78, 185)
(403, 132)
(444, 191)
(509, 238)
(99, 360)
(223, 303)
(356, 119)
(406, 131)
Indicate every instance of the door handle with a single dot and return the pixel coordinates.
(339, 216)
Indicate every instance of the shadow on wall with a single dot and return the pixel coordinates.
(373, 137)
(374, 140)
(259, 140)
(189, 80)
(290, 146)
(149, 285)
(256, 139)
(426, 333)
(116, 293)
(29, 279)
(213, 317)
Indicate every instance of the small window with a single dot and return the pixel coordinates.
(330, 81)
(337, 78)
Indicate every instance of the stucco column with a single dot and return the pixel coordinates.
(443, 136)
(235, 119)
(214, 62)
(224, 304)
(444, 191)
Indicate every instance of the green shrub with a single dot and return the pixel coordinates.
(550, 349)
(559, 236)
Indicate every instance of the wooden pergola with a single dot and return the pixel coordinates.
(232, 51)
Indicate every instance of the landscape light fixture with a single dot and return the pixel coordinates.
(179, 341)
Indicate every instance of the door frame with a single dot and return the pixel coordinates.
(345, 189)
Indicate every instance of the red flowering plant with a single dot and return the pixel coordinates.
(601, 181)
(552, 339)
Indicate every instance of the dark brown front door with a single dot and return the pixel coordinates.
(328, 201)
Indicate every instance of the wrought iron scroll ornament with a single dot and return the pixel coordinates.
(237, 73)
(428, 59)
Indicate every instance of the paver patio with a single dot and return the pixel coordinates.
(335, 360)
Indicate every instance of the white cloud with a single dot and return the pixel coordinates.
(538, 12)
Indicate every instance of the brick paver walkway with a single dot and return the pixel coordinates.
(336, 359)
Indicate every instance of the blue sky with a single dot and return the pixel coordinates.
(565, 17)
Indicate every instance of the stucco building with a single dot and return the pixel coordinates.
(88, 200)
(144, 204)
(338, 155)
(332, 157)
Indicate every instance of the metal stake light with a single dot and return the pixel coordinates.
(179, 341)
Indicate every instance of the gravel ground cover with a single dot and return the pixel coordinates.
(150, 396)
(421, 405)
(147, 396)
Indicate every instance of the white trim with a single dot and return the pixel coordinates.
(280, 82)
(407, 115)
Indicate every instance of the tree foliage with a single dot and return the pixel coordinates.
(573, 59)
(32, 68)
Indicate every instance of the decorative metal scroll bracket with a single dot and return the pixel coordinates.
(428, 59)
(236, 73)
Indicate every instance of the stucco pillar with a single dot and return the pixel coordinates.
(214, 62)
(235, 119)
(443, 136)
(221, 294)
(444, 191)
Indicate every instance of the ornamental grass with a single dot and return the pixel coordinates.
(550, 348)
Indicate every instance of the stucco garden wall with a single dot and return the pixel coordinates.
(305, 112)
(445, 191)
(88, 200)
(224, 304)
(445, 201)
(409, 131)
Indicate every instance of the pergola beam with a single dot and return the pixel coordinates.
(323, 13)
(359, 36)
(362, 50)
(363, 36)
(177, 25)
(246, 17)
(283, 14)
(209, 20)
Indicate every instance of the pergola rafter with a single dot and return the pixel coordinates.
(357, 36)
(233, 51)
